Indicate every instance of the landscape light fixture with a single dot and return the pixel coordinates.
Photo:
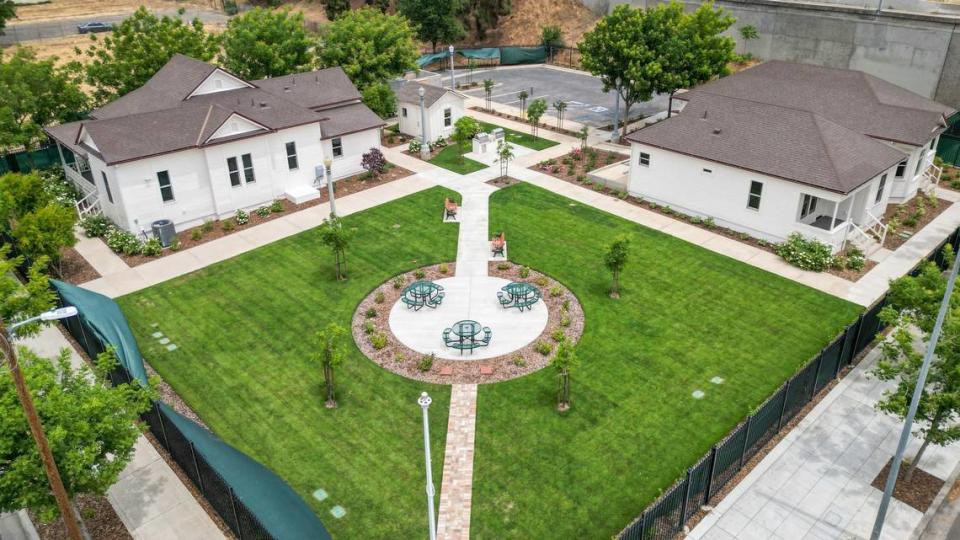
(453, 82)
(328, 164)
(424, 149)
(424, 402)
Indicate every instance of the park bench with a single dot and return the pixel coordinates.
(504, 301)
(435, 300)
(449, 209)
(498, 244)
(412, 303)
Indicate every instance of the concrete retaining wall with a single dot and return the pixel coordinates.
(914, 50)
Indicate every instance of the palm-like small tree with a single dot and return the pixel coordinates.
(560, 105)
(487, 90)
(522, 96)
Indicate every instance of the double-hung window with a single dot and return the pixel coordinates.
(292, 156)
(880, 188)
(809, 205)
(234, 171)
(166, 188)
(645, 159)
(248, 168)
(901, 169)
(447, 117)
(106, 186)
(403, 110)
(753, 199)
(337, 147)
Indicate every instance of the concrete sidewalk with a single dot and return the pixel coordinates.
(816, 483)
(148, 497)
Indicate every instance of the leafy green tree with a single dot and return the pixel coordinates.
(45, 232)
(370, 46)
(465, 129)
(534, 113)
(522, 96)
(138, 47)
(582, 137)
(334, 236)
(20, 194)
(335, 8)
(382, 5)
(748, 32)
(91, 425)
(912, 309)
(564, 362)
(22, 300)
(504, 156)
(8, 10)
(263, 43)
(487, 91)
(381, 99)
(561, 106)
(330, 354)
(551, 36)
(437, 20)
(615, 259)
(35, 93)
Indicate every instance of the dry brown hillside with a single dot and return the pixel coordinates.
(67, 9)
(523, 25)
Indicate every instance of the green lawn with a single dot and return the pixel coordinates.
(685, 316)
(243, 363)
(519, 137)
(449, 158)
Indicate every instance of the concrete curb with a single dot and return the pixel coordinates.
(938, 505)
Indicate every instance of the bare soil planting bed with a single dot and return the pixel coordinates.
(908, 219)
(919, 492)
(400, 359)
(99, 517)
(74, 268)
(342, 188)
(574, 166)
(515, 118)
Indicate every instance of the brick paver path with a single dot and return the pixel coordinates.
(457, 487)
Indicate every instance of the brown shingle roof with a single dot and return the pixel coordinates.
(408, 93)
(777, 141)
(313, 90)
(348, 119)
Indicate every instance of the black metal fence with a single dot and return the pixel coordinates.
(665, 517)
(208, 481)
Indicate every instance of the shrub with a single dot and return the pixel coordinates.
(440, 142)
(542, 281)
(242, 218)
(419, 273)
(379, 297)
(95, 225)
(373, 161)
(400, 357)
(443, 268)
(808, 254)
(709, 223)
(276, 206)
(565, 320)
(503, 266)
(519, 361)
(566, 305)
(263, 211)
(228, 225)
(558, 336)
(121, 241)
(152, 247)
(524, 272)
(370, 313)
(856, 259)
(426, 362)
(414, 146)
(207, 226)
(175, 245)
(544, 348)
(378, 340)
(622, 195)
(368, 327)
(196, 234)
(398, 282)
(581, 178)
(556, 291)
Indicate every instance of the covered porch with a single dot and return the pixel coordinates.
(843, 218)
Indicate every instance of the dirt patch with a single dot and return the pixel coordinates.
(215, 230)
(392, 139)
(98, 515)
(74, 268)
(564, 314)
(905, 220)
(503, 181)
(574, 167)
(918, 493)
(515, 118)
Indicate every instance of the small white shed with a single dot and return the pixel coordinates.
(444, 108)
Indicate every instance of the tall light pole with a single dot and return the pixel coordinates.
(424, 402)
(424, 149)
(33, 419)
(914, 403)
(615, 136)
(328, 164)
(453, 82)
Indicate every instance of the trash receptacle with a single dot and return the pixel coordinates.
(164, 230)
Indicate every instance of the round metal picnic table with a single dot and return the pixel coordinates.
(466, 329)
(422, 289)
(519, 289)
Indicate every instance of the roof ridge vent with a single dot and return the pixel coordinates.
(717, 131)
(704, 114)
(263, 105)
(286, 89)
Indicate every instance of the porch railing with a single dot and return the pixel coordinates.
(876, 227)
(88, 205)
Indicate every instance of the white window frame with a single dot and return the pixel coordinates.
(808, 205)
(336, 147)
(901, 169)
(169, 186)
(234, 172)
(249, 175)
(448, 117)
(644, 159)
(882, 186)
(292, 156)
(758, 195)
(403, 110)
(106, 186)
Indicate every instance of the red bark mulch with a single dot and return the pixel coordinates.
(918, 493)
(98, 515)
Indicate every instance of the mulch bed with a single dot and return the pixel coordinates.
(503, 181)
(918, 493)
(516, 118)
(906, 211)
(402, 360)
(98, 515)
(574, 166)
(392, 140)
(343, 187)
(74, 268)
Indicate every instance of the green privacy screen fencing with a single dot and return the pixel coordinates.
(25, 161)
(664, 519)
(251, 500)
(505, 56)
(948, 149)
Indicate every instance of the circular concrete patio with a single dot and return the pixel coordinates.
(473, 298)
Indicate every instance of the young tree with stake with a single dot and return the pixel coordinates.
(534, 112)
(560, 105)
(615, 259)
(487, 90)
(522, 96)
(504, 156)
(337, 238)
(564, 362)
(330, 354)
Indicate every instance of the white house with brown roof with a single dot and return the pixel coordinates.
(784, 147)
(197, 142)
(443, 106)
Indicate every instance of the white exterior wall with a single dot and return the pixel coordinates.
(354, 146)
(679, 181)
(116, 210)
(905, 188)
(411, 124)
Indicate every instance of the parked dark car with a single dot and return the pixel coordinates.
(94, 27)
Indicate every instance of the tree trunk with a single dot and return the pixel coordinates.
(328, 379)
(626, 117)
(83, 526)
(670, 104)
(916, 461)
(615, 290)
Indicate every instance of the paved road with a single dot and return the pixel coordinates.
(586, 101)
(16, 33)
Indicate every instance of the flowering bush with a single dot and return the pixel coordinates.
(263, 211)
(95, 225)
(242, 217)
(806, 253)
(121, 241)
(414, 146)
(152, 247)
(856, 259)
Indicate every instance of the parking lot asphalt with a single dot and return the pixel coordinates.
(586, 101)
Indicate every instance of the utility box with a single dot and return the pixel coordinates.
(164, 230)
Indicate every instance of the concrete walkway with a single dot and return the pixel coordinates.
(149, 497)
(815, 484)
